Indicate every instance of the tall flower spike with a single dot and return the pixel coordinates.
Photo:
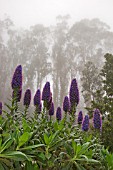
(17, 78)
(37, 98)
(66, 104)
(46, 92)
(51, 110)
(85, 123)
(49, 103)
(0, 108)
(97, 121)
(27, 97)
(74, 93)
(58, 114)
(80, 117)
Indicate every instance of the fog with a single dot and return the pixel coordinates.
(25, 13)
(56, 41)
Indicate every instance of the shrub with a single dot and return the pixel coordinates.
(42, 142)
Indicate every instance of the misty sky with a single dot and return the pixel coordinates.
(25, 13)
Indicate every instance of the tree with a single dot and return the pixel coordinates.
(89, 41)
(107, 74)
(60, 60)
(107, 101)
(29, 48)
(38, 54)
(91, 82)
(5, 27)
(103, 100)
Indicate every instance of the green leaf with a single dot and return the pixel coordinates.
(93, 161)
(23, 139)
(6, 144)
(56, 125)
(8, 106)
(32, 147)
(41, 155)
(78, 149)
(15, 155)
(25, 125)
(84, 148)
(53, 136)
(48, 156)
(46, 139)
(74, 145)
(61, 125)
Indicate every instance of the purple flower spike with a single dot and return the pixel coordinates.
(85, 123)
(74, 93)
(46, 92)
(37, 98)
(58, 114)
(27, 97)
(66, 104)
(51, 110)
(49, 103)
(97, 121)
(80, 117)
(17, 78)
(0, 108)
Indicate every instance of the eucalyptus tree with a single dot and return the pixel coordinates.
(60, 61)
(88, 40)
(29, 48)
(40, 63)
(91, 82)
(5, 27)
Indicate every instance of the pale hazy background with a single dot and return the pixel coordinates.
(25, 13)
(55, 49)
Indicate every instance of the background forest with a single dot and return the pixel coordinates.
(58, 54)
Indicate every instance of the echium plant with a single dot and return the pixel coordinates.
(46, 94)
(17, 88)
(16, 95)
(49, 102)
(58, 114)
(51, 110)
(27, 100)
(37, 103)
(40, 144)
(80, 117)
(66, 105)
(85, 123)
(97, 121)
(38, 109)
(37, 98)
(73, 96)
(17, 78)
(0, 108)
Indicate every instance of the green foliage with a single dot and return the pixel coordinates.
(104, 101)
(32, 144)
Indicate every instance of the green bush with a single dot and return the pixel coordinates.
(41, 142)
